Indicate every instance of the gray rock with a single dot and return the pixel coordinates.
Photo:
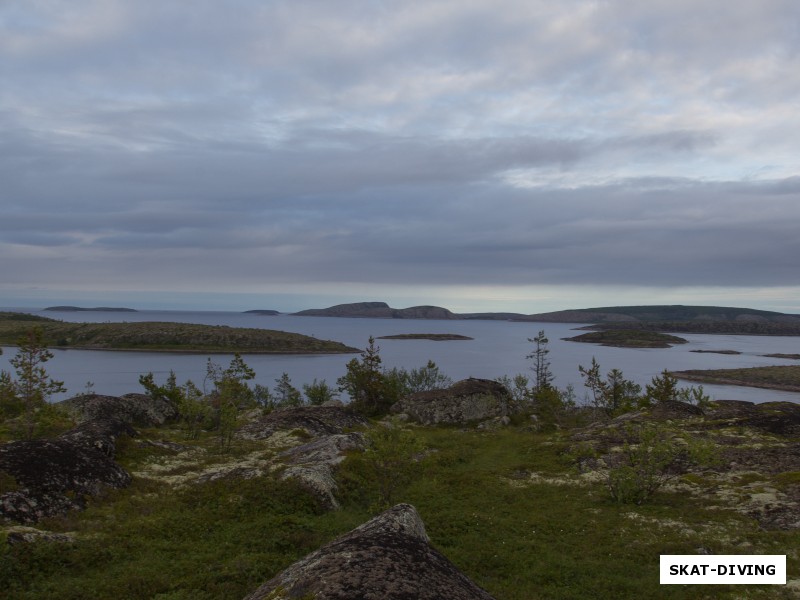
(312, 464)
(386, 558)
(314, 420)
(100, 434)
(30, 535)
(465, 402)
(136, 409)
(54, 476)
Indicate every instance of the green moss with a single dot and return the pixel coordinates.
(788, 479)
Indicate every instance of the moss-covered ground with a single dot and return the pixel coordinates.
(506, 506)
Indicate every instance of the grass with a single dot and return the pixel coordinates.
(167, 337)
(777, 377)
(505, 506)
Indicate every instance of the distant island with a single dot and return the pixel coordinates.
(93, 309)
(379, 310)
(437, 337)
(270, 313)
(661, 318)
(166, 337)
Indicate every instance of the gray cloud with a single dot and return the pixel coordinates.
(424, 144)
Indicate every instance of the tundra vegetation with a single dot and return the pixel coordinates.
(574, 498)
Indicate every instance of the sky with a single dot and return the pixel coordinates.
(512, 155)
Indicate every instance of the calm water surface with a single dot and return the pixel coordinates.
(498, 348)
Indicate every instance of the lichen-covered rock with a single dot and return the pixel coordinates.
(314, 420)
(467, 401)
(100, 434)
(54, 476)
(136, 409)
(30, 535)
(780, 418)
(673, 409)
(312, 464)
(386, 558)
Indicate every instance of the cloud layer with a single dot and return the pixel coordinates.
(268, 147)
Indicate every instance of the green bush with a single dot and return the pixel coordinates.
(650, 458)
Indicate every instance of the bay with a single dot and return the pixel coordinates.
(498, 348)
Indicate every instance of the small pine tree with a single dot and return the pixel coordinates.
(33, 385)
(366, 384)
(543, 377)
(318, 393)
(661, 388)
(285, 393)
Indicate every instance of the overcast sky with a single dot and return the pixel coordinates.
(480, 155)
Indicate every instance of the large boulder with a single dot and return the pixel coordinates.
(51, 477)
(465, 402)
(136, 409)
(54, 476)
(386, 558)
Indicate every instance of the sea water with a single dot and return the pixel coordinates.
(498, 348)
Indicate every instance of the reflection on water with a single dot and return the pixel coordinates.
(498, 348)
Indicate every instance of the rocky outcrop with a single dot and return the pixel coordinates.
(754, 463)
(53, 476)
(29, 535)
(312, 464)
(780, 418)
(315, 421)
(465, 402)
(136, 409)
(386, 558)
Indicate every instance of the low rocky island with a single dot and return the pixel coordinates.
(165, 337)
(436, 337)
(730, 352)
(628, 338)
(93, 309)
